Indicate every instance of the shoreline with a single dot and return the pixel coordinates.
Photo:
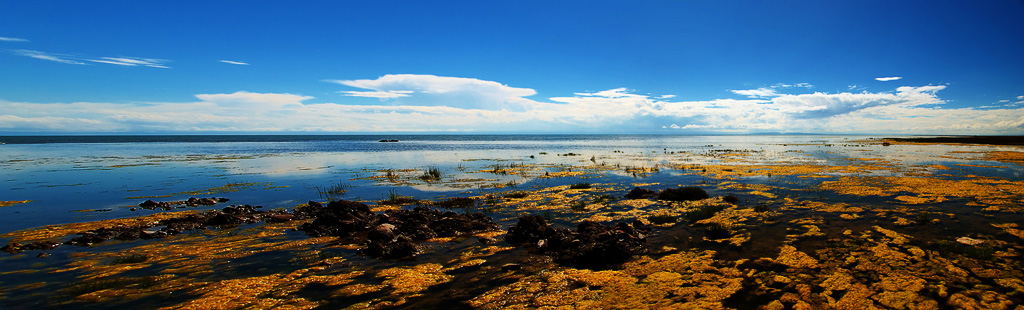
(987, 140)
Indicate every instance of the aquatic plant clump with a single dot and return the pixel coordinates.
(640, 193)
(689, 193)
(704, 212)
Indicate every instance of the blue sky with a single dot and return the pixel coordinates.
(886, 67)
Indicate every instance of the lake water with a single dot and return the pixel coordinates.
(61, 175)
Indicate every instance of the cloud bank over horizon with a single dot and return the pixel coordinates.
(430, 103)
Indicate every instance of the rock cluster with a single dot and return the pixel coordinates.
(391, 234)
(229, 216)
(191, 202)
(592, 245)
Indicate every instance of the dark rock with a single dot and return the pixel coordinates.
(225, 219)
(382, 242)
(280, 218)
(42, 245)
(131, 234)
(12, 248)
(640, 193)
(529, 229)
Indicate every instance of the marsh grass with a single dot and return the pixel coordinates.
(923, 219)
(431, 174)
(390, 174)
(393, 198)
(662, 219)
(715, 231)
(603, 198)
(498, 169)
(332, 192)
(705, 212)
(578, 206)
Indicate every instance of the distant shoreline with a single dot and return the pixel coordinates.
(990, 140)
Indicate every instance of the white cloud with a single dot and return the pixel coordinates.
(234, 62)
(132, 61)
(416, 104)
(667, 96)
(48, 56)
(756, 93)
(432, 90)
(889, 78)
(9, 39)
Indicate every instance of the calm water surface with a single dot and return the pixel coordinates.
(62, 176)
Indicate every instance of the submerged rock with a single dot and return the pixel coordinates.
(229, 216)
(15, 247)
(592, 245)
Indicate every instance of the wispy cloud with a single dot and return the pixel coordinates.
(8, 39)
(378, 94)
(82, 60)
(800, 85)
(61, 58)
(132, 61)
(768, 92)
(762, 92)
(234, 62)
(620, 92)
(888, 78)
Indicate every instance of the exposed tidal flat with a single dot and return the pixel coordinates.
(788, 222)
